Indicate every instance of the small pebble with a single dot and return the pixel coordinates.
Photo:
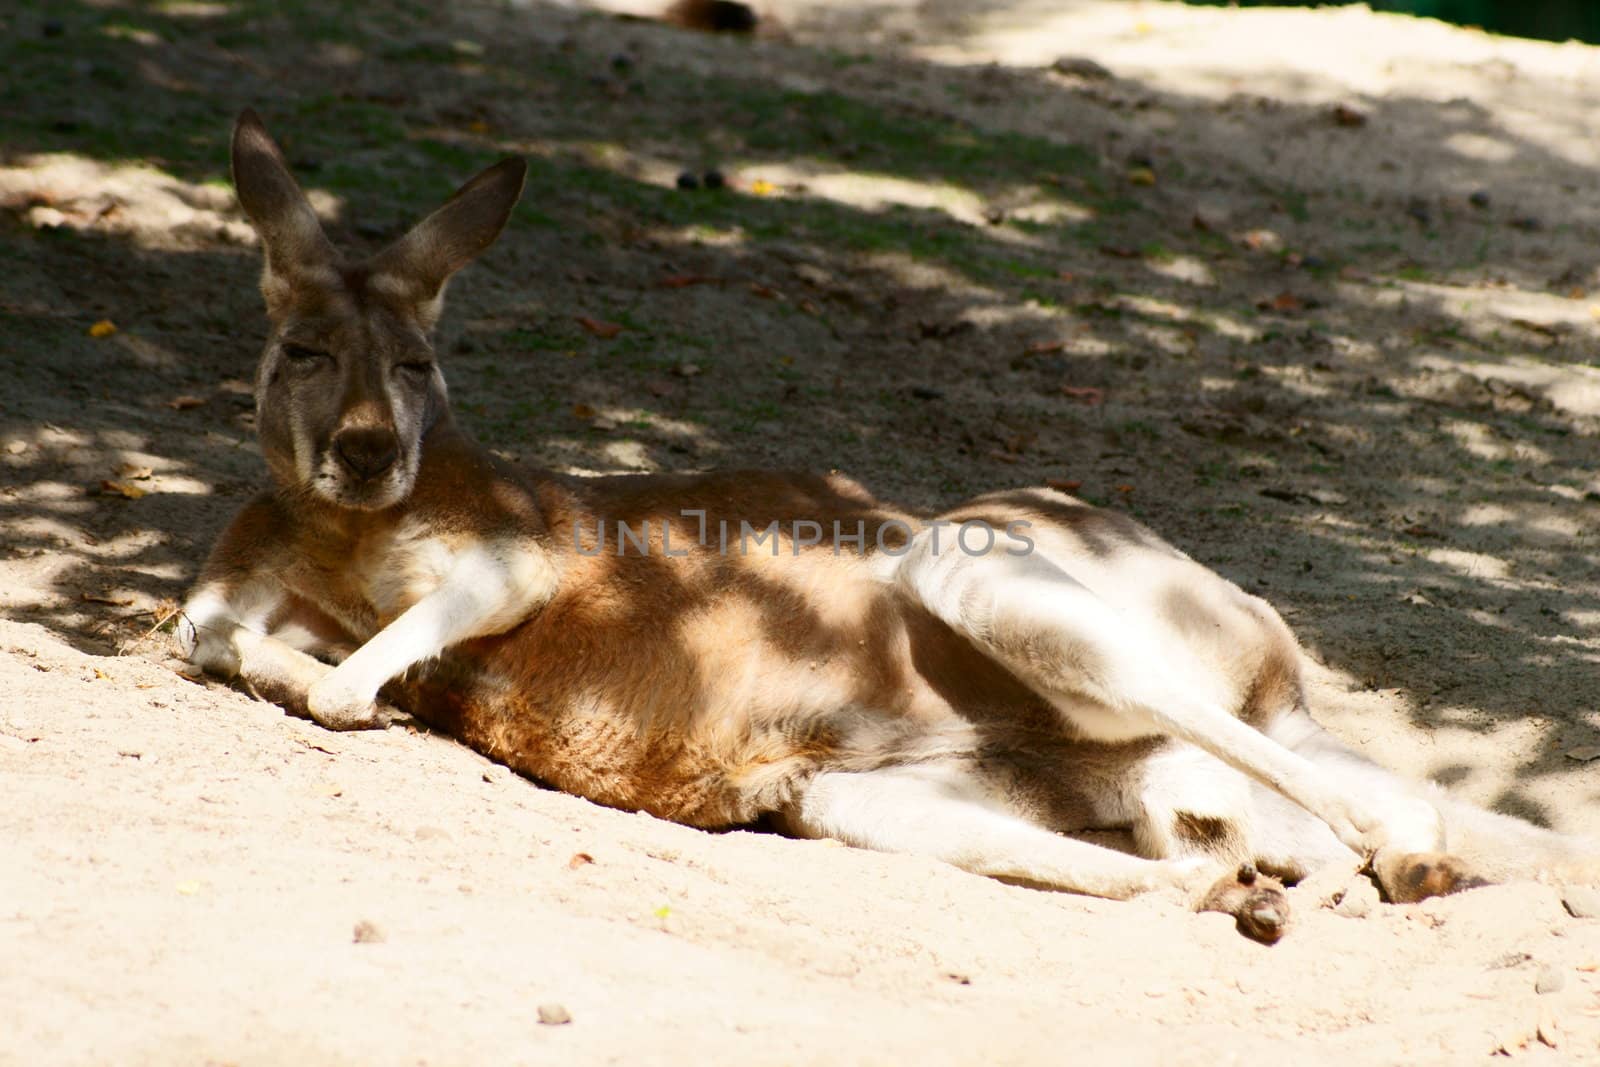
(367, 933)
(1550, 980)
(1581, 902)
(1360, 897)
(1479, 199)
(714, 180)
(554, 1015)
(688, 180)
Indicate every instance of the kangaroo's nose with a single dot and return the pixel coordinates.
(367, 451)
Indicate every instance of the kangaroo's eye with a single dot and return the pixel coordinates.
(302, 355)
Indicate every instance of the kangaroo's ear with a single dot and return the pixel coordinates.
(297, 249)
(416, 267)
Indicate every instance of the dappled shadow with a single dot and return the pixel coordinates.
(942, 280)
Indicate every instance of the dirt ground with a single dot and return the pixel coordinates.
(1315, 294)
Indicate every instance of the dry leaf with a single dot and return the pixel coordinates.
(657, 387)
(1066, 276)
(1345, 115)
(1141, 176)
(1544, 328)
(185, 402)
(1124, 488)
(766, 292)
(93, 598)
(599, 327)
(111, 488)
(1044, 348)
(1065, 485)
(1284, 301)
(103, 328)
(579, 859)
(683, 281)
(583, 411)
(762, 187)
(1086, 394)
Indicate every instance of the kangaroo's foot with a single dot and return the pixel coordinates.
(1258, 904)
(1407, 877)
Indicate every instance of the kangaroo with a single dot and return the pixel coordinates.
(714, 649)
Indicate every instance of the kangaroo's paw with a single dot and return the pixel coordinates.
(333, 703)
(1258, 904)
(1407, 877)
(207, 648)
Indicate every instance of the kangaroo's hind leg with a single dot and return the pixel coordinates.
(1116, 676)
(943, 812)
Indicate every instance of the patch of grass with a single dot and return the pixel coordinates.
(527, 339)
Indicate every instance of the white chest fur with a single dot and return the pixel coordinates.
(490, 583)
(397, 569)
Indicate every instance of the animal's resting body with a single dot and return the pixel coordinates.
(716, 648)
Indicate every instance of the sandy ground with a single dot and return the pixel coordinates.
(1349, 361)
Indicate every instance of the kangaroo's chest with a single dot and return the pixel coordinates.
(393, 570)
(367, 583)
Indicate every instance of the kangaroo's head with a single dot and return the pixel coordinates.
(348, 387)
